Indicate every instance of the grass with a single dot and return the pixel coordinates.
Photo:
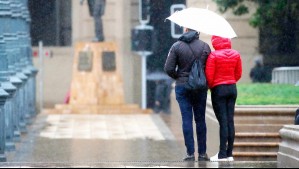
(267, 94)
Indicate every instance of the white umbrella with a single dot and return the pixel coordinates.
(203, 20)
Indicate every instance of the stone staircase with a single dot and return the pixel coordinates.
(257, 131)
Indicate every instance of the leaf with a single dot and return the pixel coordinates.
(241, 10)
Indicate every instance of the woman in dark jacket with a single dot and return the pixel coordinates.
(223, 71)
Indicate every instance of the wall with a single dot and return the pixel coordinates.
(57, 73)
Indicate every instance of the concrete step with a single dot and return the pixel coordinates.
(269, 106)
(260, 112)
(255, 156)
(284, 120)
(92, 111)
(257, 137)
(256, 147)
(257, 130)
(261, 128)
(121, 106)
(100, 109)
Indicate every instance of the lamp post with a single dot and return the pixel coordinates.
(142, 36)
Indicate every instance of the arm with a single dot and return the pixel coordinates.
(210, 70)
(205, 55)
(171, 63)
(238, 71)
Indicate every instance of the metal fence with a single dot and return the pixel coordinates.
(17, 74)
(285, 75)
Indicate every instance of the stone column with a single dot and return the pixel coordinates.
(3, 97)
(16, 75)
(3, 64)
(27, 50)
(4, 79)
(288, 155)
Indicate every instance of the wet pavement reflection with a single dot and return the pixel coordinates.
(152, 146)
(146, 165)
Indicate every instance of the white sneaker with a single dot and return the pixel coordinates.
(216, 159)
(230, 159)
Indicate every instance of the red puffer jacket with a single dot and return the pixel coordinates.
(224, 65)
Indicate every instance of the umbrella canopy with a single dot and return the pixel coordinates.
(203, 20)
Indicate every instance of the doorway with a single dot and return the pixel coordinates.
(51, 22)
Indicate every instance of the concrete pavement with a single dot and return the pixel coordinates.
(129, 141)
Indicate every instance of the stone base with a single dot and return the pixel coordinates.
(23, 128)
(98, 109)
(17, 136)
(288, 155)
(10, 146)
(28, 119)
(2, 158)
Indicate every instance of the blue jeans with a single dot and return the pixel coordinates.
(193, 102)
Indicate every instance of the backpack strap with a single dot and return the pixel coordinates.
(196, 57)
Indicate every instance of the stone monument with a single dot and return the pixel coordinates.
(97, 83)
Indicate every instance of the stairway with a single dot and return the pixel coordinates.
(257, 131)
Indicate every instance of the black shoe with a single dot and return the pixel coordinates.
(189, 158)
(203, 158)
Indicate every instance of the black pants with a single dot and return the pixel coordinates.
(224, 100)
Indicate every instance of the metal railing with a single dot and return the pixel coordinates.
(17, 74)
(285, 75)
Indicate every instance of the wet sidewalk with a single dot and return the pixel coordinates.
(142, 164)
(105, 141)
(95, 138)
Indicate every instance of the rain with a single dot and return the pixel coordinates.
(149, 83)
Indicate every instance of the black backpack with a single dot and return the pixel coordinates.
(197, 77)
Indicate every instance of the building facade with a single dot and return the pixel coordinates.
(121, 16)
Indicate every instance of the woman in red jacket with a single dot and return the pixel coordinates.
(223, 71)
